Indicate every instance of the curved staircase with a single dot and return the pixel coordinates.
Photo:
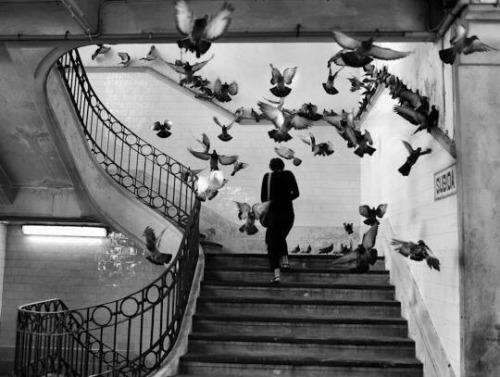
(317, 322)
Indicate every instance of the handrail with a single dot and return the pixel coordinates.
(132, 335)
(154, 177)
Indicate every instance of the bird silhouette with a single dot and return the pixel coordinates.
(190, 174)
(329, 85)
(363, 256)
(237, 166)
(223, 92)
(288, 154)
(357, 84)
(283, 121)
(282, 80)
(214, 158)
(205, 142)
(461, 44)
(256, 116)
(348, 228)
(326, 250)
(345, 126)
(364, 142)
(321, 149)
(199, 33)
(125, 58)
(205, 93)
(185, 68)
(356, 53)
(417, 252)
(207, 188)
(295, 250)
(424, 121)
(198, 82)
(248, 213)
(371, 214)
(101, 50)
(413, 156)
(152, 244)
(151, 55)
(310, 111)
(224, 136)
(162, 129)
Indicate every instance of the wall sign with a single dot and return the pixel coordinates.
(445, 182)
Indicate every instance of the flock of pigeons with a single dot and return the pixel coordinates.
(197, 36)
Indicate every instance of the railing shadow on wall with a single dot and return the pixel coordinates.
(131, 336)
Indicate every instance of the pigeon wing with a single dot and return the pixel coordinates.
(305, 139)
(243, 210)
(381, 209)
(478, 46)
(275, 75)
(345, 41)
(299, 122)
(382, 53)
(272, 113)
(408, 114)
(183, 17)
(402, 247)
(369, 237)
(202, 155)
(228, 160)
(150, 236)
(368, 137)
(289, 74)
(217, 122)
(218, 24)
(458, 33)
(364, 210)
(217, 86)
(284, 152)
(200, 65)
(408, 147)
(177, 67)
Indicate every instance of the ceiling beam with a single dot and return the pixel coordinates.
(252, 21)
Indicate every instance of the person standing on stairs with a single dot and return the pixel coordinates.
(280, 187)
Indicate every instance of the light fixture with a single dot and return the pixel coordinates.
(64, 231)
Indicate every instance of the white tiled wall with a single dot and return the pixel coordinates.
(413, 213)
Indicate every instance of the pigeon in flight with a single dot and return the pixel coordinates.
(223, 92)
(310, 111)
(101, 50)
(205, 142)
(190, 174)
(424, 121)
(214, 158)
(363, 256)
(199, 33)
(162, 129)
(224, 136)
(356, 84)
(371, 214)
(330, 82)
(188, 70)
(237, 166)
(249, 213)
(417, 252)
(288, 154)
(207, 188)
(151, 55)
(357, 53)
(364, 142)
(152, 244)
(461, 44)
(125, 58)
(412, 158)
(282, 80)
(321, 149)
(283, 121)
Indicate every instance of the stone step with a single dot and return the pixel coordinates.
(298, 290)
(321, 276)
(270, 366)
(218, 260)
(342, 348)
(277, 307)
(301, 327)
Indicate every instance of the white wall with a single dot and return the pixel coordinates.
(413, 213)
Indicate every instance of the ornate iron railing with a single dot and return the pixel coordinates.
(157, 179)
(131, 336)
(126, 337)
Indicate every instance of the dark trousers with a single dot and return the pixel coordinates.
(280, 224)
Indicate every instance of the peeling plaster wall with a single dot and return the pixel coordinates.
(329, 185)
(413, 213)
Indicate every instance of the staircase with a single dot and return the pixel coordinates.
(317, 322)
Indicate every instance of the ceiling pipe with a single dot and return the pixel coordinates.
(457, 9)
(79, 16)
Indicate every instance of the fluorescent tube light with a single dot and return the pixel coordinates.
(64, 231)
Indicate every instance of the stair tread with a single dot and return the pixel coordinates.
(302, 320)
(265, 256)
(237, 283)
(388, 341)
(302, 270)
(401, 362)
(274, 300)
